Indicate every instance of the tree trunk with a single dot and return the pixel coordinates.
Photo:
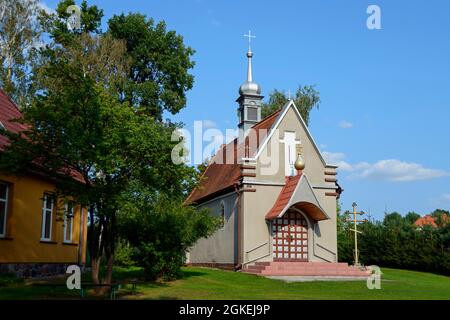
(95, 265)
(108, 273)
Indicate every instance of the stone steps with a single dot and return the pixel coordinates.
(325, 269)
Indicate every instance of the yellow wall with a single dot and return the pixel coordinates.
(23, 231)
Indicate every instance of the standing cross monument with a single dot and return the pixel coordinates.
(355, 230)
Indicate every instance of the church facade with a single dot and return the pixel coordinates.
(274, 191)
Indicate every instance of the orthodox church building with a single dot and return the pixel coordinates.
(276, 196)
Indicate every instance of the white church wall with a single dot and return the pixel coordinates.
(220, 247)
(322, 234)
(257, 242)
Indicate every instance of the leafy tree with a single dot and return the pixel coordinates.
(56, 24)
(442, 217)
(306, 98)
(160, 62)
(412, 217)
(19, 37)
(78, 125)
(162, 230)
(395, 242)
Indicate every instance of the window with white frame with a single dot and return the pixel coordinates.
(47, 217)
(4, 191)
(68, 222)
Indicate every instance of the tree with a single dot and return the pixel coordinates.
(160, 62)
(442, 217)
(412, 217)
(162, 230)
(306, 98)
(56, 24)
(19, 38)
(79, 126)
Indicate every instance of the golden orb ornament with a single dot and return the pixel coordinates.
(299, 163)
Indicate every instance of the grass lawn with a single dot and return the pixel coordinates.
(204, 283)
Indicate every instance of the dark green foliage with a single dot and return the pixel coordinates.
(158, 77)
(98, 112)
(125, 255)
(8, 279)
(396, 242)
(306, 98)
(162, 230)
(56, 24)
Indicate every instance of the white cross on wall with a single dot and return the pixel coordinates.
(290, 143)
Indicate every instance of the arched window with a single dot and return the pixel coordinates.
(222, 213)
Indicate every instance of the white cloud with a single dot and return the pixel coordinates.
(345, 124)
(446, 196)
(389, 170)
(399, 171)
(208, 124)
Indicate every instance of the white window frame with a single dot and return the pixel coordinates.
(45, 211)
(5, 217)
(66, 214)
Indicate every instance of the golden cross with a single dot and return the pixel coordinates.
(355, 230)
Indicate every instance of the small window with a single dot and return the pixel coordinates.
(252, 114)
(4, 191)
(222, 213)
(68, 222)
(47, 217)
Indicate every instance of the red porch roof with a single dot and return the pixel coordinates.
(312, 210)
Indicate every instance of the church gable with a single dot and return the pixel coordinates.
(288, 136)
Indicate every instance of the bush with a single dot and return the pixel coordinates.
(162, 231)
(125, 254)
(7, 279)
(397, 242)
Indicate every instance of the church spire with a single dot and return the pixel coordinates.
(249, 70)
(249, 95)
(249, 56)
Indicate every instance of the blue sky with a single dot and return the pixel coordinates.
(385, 111)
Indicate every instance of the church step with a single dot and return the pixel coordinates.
(315, 272)
(262, 263)
(282, 268)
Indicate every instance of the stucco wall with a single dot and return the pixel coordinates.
(322, 235)
(23, 236)
(221, 247)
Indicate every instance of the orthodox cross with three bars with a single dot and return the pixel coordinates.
(355, 230)
(249, 36)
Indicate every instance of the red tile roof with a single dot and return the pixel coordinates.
(284, 197)
(430, 221)
(8, 114)
(426, 220)
(220, 176)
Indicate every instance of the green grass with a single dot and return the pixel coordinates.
(204, 283)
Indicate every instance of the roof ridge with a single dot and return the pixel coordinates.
(267, 117)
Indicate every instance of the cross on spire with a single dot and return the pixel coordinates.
(249, 36)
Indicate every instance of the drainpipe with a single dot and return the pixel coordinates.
(80, 241)
(238, 266)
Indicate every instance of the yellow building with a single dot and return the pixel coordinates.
(39, 235)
